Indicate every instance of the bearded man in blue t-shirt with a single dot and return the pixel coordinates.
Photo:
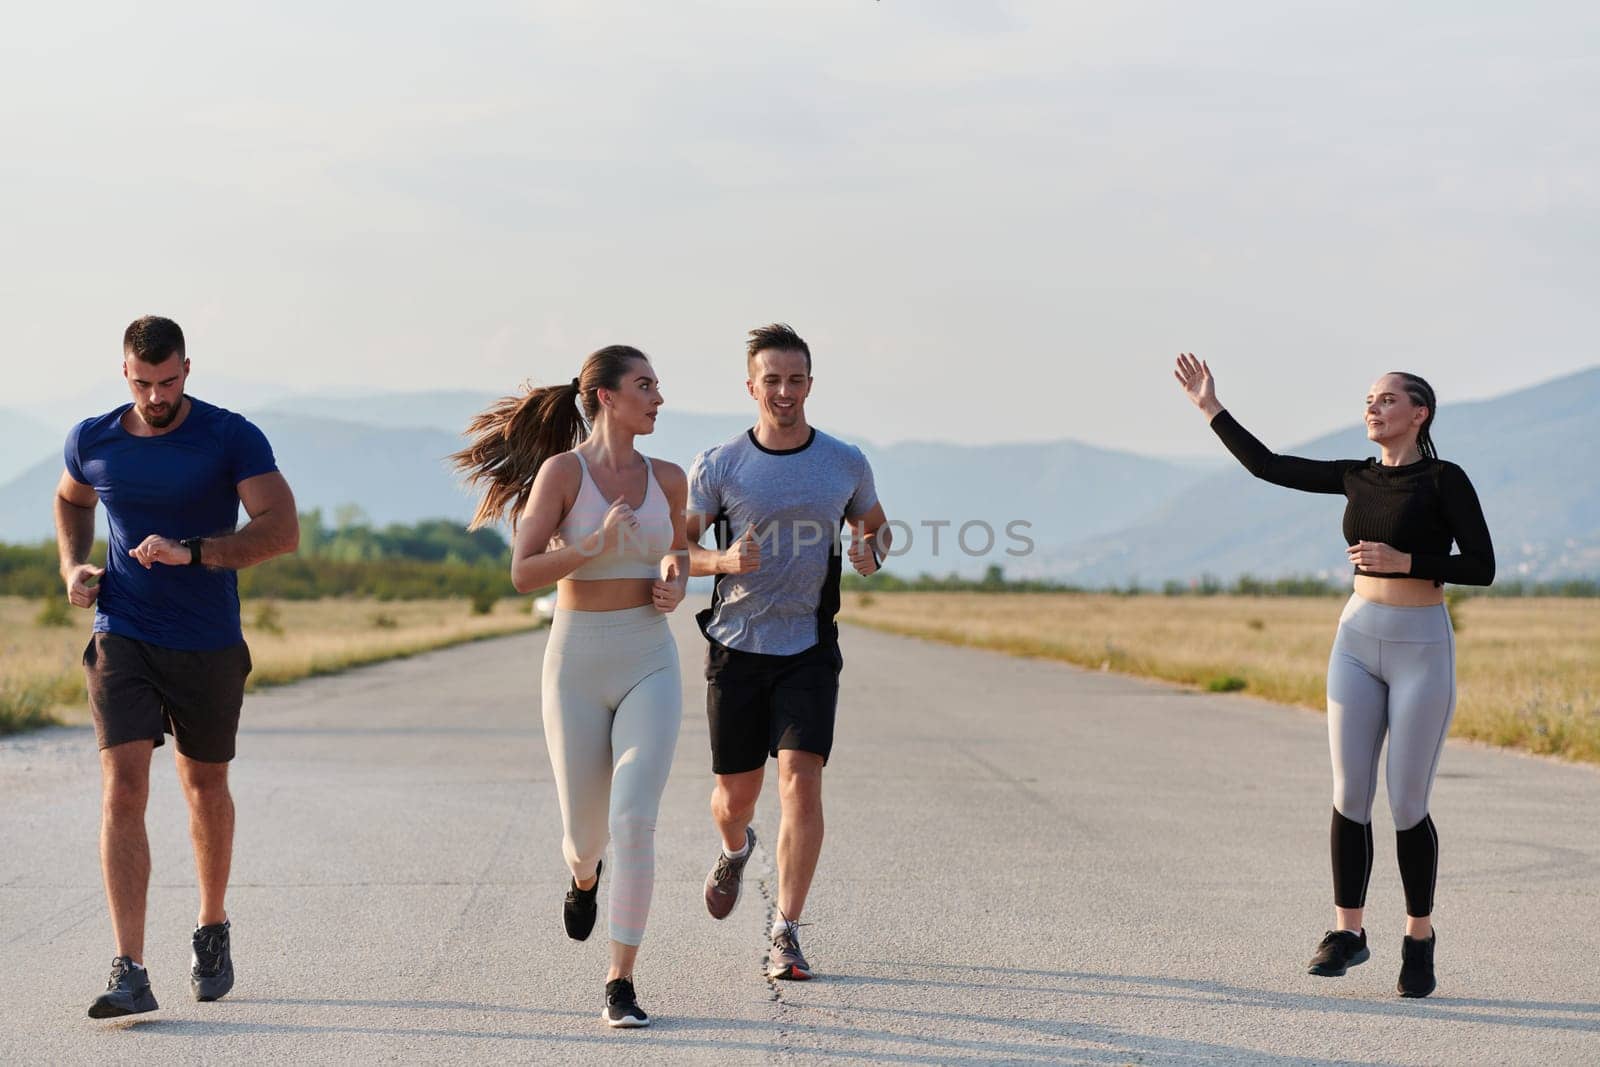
(167, 654)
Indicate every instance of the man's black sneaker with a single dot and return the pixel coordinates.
(1340, 950)
(211, 962)
(785, 960)
(127, 993)
(579, 908)
(727, 875)
(622, 1009)
(1416, 966)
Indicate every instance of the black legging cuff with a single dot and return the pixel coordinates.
(1351, 844)
(1418, 852)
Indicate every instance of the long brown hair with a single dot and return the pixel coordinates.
(513, 437)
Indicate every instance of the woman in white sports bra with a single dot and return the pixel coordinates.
(606, 525)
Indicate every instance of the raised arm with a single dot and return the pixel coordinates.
(1291, 472)
(1474, 564)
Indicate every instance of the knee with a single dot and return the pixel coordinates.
(1408, 812)
(207, 791)
(631, 829)
(1352, 799)
(734, 800)
(124, 795)
(801, 790)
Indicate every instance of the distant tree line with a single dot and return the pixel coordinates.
(995, 581)
(425, 560)
(440, 558)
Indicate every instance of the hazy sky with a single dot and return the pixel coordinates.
(992, 221)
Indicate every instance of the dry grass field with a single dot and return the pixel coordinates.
(1528, 670)
(41, 677)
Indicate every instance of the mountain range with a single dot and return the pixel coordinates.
(1095, 517)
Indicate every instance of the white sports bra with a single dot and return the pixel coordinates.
(638, 553)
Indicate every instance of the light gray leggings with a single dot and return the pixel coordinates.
(613, 701)
(1392, 669)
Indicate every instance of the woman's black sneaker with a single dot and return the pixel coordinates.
(1340, 950)
(1416, 967)
(127, 993)
(622, 1008)
(579, 908)
(211, 963)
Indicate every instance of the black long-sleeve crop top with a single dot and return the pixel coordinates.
(1418, 508)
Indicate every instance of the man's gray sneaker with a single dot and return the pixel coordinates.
(211, 964)
(785, 960)
(727, 875)
(127, 993)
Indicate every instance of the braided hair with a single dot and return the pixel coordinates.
(1421, 394)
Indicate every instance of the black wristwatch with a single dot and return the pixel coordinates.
(193, 545)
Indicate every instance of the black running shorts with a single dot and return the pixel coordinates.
(758, 704)
(139, 692)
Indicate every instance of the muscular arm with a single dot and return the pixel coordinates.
(273, 529)
(702, 561)
(74, 506)
(871, 528)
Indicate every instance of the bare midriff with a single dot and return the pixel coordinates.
(605, 594)
(1399, 592)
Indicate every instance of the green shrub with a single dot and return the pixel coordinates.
(1226, 683)
(267, 619)
(55, 611)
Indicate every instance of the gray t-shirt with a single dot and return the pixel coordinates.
(797, 500)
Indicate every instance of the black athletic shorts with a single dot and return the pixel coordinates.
(139, 692)
(758, 704)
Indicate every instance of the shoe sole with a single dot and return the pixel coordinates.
(627, 1022)
(109, 1011)
(207, 993)
(791, 974)
(1328, 972)
(1408, 995)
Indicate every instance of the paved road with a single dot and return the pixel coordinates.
(1026, 863)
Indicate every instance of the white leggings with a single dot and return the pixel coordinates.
(613, 701)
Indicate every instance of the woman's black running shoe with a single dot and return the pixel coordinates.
(579, 908)
(1416, 967)
(622, 1009)
(1339, 951)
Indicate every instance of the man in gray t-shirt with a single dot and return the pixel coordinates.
(777, 497)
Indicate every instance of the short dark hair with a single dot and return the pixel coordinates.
(152, 339)
(777, 335)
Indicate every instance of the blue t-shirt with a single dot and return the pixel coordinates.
(178, 484)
